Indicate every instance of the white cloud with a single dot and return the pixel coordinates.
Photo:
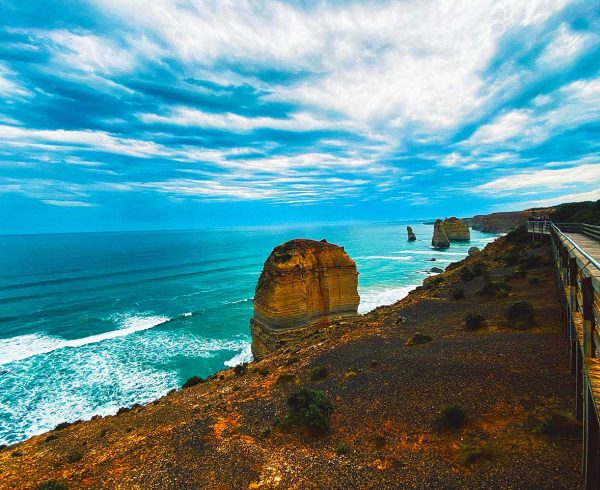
(543, 181)
(565, 46)
(8, 86)
(68, 204)
(186, 116)
(400, 64)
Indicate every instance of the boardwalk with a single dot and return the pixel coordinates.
(577, 254)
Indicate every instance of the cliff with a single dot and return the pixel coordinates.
(440, 239)
(456, 230)
(386, 377)
(303, 282)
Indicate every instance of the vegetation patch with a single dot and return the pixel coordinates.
(531, 261)
(318, 373)
(468, 454)
(474, 321)
(286, 379)
(520, 315)
(350, 374)
(342, 448)
(239, 369)
(193, 381)
(450, 417)
(310, 409)
(51, 485)
(418, 339)
(293, 360)
(458, 293)
(559, 425)
(466, 274)
(262, 371)
(74, 457)
(379, 441)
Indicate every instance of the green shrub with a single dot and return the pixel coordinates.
(342, 448)
(51, 437)
(74, 457)
(473, 321)
(293, 360)
(469, 454)
(309, 408)
(450, 417)
(193, 381)
(51, 485)
(518, 236)
(62, 426)
(239, 369)
(262, 371)
(419, 339)
(318, 373)
(286, 378)
(466, 274)
(520, 314)
(458, 293)
(558, 425)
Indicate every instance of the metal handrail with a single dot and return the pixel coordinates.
(592, 260)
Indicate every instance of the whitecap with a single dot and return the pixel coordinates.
(245, 355)
(25, 346)
(384, 257)
(371, 298)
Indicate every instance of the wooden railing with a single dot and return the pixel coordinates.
(578, 275)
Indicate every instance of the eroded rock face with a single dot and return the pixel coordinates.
(473, 251)
(303, 283)
(440, 239)
(411, 234)
(456, 230)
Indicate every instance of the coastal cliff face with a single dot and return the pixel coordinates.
(303, 282)
(440, 239)
(456, 230)
(411, 234)
(503, 222)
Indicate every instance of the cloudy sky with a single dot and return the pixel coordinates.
(166, 114)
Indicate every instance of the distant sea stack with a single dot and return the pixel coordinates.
(303, 283)
(411, 234)
(456, 230)
(440, 239)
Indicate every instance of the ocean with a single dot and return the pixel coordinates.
(93, 322)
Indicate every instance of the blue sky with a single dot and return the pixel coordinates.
(167, 114)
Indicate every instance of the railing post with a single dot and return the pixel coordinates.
(587, 290)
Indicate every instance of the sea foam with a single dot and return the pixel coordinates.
(25, 346)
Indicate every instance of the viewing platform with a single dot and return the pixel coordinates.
(576, 248)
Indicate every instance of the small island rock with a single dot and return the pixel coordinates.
(411, 234)
(303, 283)
(456, 230)
(473, 251)
(440, 239)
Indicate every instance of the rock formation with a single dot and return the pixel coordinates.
(303, 283)
(411, 234)
(440, 239)
(456, 230)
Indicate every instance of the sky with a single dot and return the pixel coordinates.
(125, 115)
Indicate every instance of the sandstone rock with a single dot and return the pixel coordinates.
(303, 283)
(440, 239)
(473, 251)
(436, 270)
(456, 230)
(411, 234)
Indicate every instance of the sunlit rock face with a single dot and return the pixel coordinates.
(440, 239)
(456, 230)
(303, 283)
(411, 234)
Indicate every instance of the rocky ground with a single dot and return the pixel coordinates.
(227, 433)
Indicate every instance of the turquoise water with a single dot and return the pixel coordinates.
(93, 322)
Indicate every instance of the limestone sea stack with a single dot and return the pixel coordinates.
(440, 239)
(303, 283)
(411, 234)
(456, 230)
